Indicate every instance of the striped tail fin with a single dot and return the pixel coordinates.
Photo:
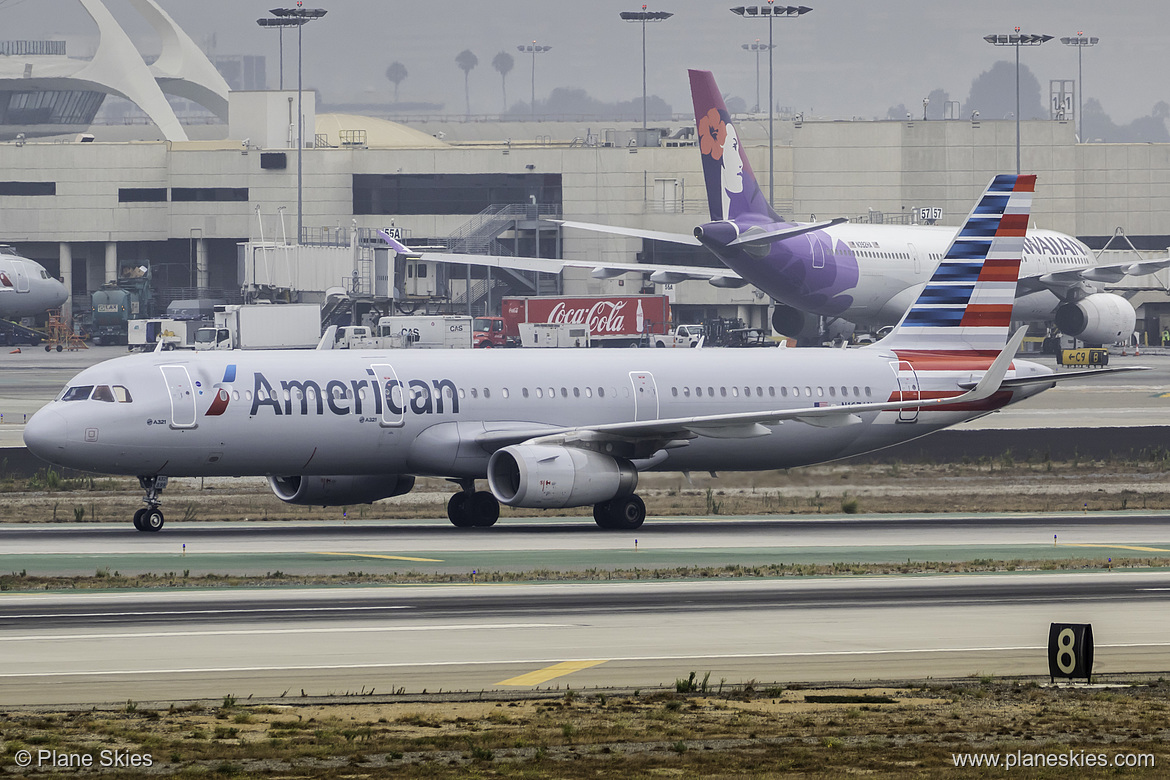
(966, 306)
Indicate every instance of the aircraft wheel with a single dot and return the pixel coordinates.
(153, 520)
(138, 516)
(458, 511)
(626, 513)
(484, 509)
(601, 514)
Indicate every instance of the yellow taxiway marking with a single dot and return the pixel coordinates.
(387, 557)
(1118, 547)
(550, 672)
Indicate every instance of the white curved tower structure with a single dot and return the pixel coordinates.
(117, 68)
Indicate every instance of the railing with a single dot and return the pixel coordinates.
(32, 48)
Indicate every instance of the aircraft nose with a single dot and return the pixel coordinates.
(62, 293)
(45, 435)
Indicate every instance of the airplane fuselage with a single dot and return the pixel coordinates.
(424, 413)
(26, 289)
(870, 274)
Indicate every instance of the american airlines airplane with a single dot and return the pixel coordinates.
(863, 274)
(26, 289)
(554, 428)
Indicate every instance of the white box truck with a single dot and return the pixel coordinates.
(263, 326)
(426, 332)
(553, 334)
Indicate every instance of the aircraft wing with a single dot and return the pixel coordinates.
(737, 425)
(660, 274)
(1108, 274)
(655, 235)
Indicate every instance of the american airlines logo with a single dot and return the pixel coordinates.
(355, 396)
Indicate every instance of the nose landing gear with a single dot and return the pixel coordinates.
(151, 517)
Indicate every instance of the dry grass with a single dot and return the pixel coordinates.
(744, 730)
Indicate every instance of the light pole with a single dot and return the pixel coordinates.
(533, 50)
(280, 24)
(303, 17)
(770, 12)
(757, 47)
(644, 16)
(1080, 41)
(1017, 41)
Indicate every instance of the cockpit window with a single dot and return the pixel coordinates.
(79, 393)
(103, 393)
(122, 394)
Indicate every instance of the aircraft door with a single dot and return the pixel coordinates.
(908, 390)
(182, 392)
(916, 257)
(21, 274)
(645, 396)
(394, 396)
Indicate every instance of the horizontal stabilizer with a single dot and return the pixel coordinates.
(752, 237)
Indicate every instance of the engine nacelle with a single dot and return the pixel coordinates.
(546, 476)
(1101, 318)
(344, 490)
(794, 323)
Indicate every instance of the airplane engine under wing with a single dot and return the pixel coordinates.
(794, 323)
(546, 476)
(344, 490)
(1101, 318)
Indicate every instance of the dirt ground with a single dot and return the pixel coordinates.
(1000, 485)
(701, 729)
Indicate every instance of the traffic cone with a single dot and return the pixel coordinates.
(15, 351)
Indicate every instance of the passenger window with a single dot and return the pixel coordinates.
(760, 392)
(711, 391)
(723, 391)
(576, 392)
(487, 393)
(820, 392)
(772, 391)
(79, 393)
(868, 392)
(524, 392)
(475, 392)
(539, 393)
(564, 392)
(462, 394)
(674, 392)
(505, 392)
(783, 391)
(103, 393)
(856, 391)
(601, 392)
(588, 392)
(698, 392)
(552, 392)
(808, 391)
(832, 391)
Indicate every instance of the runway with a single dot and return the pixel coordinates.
(574, 544)
(165, 646)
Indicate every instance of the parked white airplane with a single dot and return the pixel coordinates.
(26, 289)
(554, 428)
(864, 274)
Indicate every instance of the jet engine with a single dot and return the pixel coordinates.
(1101, 318)
(545, 476)
(794, 323)
(344, 490)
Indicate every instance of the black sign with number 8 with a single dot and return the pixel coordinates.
(1070, 650)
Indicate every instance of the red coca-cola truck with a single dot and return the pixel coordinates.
(613, 321)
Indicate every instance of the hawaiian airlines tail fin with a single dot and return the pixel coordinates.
(732, 190)
(967, 305)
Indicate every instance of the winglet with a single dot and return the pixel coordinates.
(993, 378)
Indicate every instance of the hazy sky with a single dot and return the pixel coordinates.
(845, 58)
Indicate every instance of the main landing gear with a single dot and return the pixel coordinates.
(624, 513)
(471, 508)
(151, 517)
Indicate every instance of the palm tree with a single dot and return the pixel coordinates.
(503, 63)
(396, 73)
(466, 61)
